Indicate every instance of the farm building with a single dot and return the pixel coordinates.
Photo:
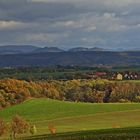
(119, 76)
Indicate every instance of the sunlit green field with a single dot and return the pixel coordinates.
(69, 117)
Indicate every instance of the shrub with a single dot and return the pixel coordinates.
(19, 126)
(52, 128)
(137, 99)
(33, 129)
(3, 127)
(123, 101)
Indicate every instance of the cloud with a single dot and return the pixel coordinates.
(91, 28)
(109, 15)
(69, 23)
(11, 25)
(29, 11)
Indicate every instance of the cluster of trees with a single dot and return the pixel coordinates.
(39, 73)
(125, 92)
(14, 91)
(17, 126)
(96, 91)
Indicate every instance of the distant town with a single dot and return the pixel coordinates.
(71, 72)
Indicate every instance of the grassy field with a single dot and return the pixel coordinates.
(70, 117)
(105, 134)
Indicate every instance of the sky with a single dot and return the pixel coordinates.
(66, 24)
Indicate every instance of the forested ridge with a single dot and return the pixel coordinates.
(13, 91)
(94, 58)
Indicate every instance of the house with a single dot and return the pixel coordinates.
(119, 76)
(100, 74)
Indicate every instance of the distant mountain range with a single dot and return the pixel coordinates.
(17, 49)
(48, 49)
(22, 49)
(28, 55)
(80, 49)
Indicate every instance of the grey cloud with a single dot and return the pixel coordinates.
(107, 23)
(30, 11)
(10, 4)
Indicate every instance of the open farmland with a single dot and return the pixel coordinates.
(72, 117)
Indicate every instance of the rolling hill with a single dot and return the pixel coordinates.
(16, 49)
(94, 58)
(80, 49)
(70, 117)
(48, 49)
(22, 49)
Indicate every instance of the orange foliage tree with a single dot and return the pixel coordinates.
(19, 126)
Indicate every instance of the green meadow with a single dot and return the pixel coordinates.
(70, 117)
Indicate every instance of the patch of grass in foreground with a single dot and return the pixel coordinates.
(72, 117)
(107, 134)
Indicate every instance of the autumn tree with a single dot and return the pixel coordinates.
(108, 92)
(19, 126)
(52, 128)
(3, 127)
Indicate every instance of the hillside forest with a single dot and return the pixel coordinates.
(13, 91)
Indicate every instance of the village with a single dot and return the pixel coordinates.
(114, 75)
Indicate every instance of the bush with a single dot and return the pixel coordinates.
(3, 127)
(19, 126)
(33, 129)
(137, 99)
(52, 128)
(123, 101)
